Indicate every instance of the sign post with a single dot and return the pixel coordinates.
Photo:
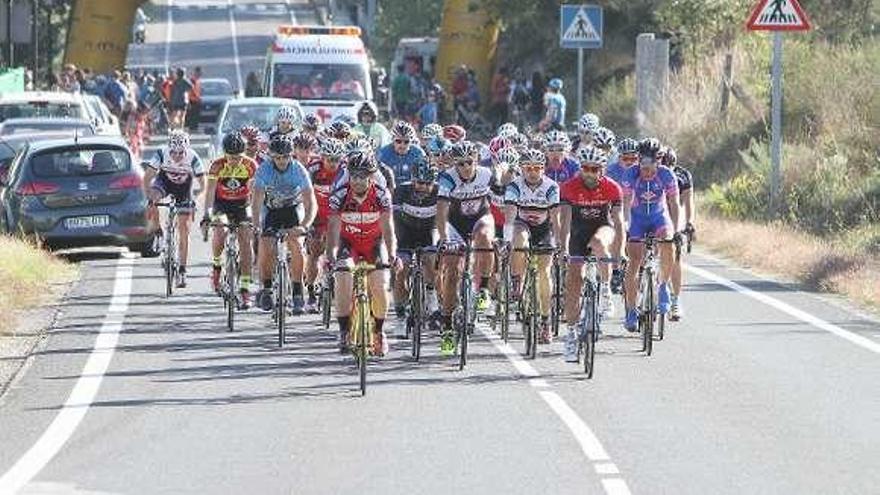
(580, 26)
(777, 16)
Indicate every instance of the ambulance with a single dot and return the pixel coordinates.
(325, 68)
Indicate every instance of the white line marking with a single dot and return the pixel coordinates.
(235, 45)
(788, 309)
(290, 11)
(84, 391)
(589, 443)
(169, 24)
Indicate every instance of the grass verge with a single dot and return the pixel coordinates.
(28, 276)
(837, 266)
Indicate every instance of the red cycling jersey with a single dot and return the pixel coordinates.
(361, 228)
(322, 182)
(590, 205)
(233, 180)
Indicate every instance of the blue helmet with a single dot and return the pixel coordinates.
(555, 83)
(424, 171)
(437, 145)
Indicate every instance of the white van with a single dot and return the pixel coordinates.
(325, 68)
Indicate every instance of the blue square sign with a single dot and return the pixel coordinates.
(580, 26)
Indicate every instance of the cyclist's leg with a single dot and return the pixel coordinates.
(314, 248)
(600, 243)
(451, 267)
(155, 194)
(377, 281)
(483, 234)
(266, 251)
(665, 231)
(518, 259)
(297, 258)
(184, 220)
(635, 253)
(344, 285)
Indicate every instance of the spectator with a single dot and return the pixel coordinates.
(29, 80)
(400, 92)
(519, 98)
(131, 96)
(500, 97)
(252, 86)
(88, 84)
(536, 96)
(68, 80)
(554, 116)
(428, 112)
(473, 90)
(315, 89)
(179, 101)
(115, 93)
(348, 87)
(287, 87)
(194, 111)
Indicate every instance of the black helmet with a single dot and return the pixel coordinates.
(234, 143)
(368, 107)
(304, 141)
(649, 147)
(339, 130)
(311, 122)
(670, 159)
(281, 144)
(359, 163)
(424, 171)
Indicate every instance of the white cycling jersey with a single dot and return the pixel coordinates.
(533, 201)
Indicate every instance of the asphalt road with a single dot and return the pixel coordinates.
(769, 391)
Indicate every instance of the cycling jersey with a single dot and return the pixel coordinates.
(468, 200)
(565, 170)
(414, 215)
(360, 221)
(533, 202)
(555, 104)
(590, 209)
(648, 209)
(175, 179)
(233, 179)
(283, 188)
(616, 169)
(683, 177)
(322, 182)
(401, 165)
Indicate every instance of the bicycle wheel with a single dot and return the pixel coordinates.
(280, 301)
(362, 338)
(661, 325)
(533, 318)
(648, 314)
(170, 260)
(503, 312)
(326, 301)
(467, 302)
(556, 311)
(417, 313)
(229, 292)
(592, 328)
(524, 310)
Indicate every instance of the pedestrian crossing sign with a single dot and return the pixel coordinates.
(778, 15)
(580, 26)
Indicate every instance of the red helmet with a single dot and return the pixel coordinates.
(250, 133)
(498, 143)
(454, 133)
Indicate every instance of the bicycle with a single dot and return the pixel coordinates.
(170, 253)
(327, 287)
(589, 318)
(646, 301)
(558, 301)
(230, 278)
(528, 300)
(361, 324)
(417, 314)
(281, 283)
(502, 294)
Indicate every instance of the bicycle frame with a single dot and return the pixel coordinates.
(170, 252)
(230, 281)
(361, 321)
(281, 285)
(646, 300)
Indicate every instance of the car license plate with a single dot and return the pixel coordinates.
(89, 222)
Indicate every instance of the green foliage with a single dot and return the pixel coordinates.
(704, 25)
(615, 105)
(398, 19)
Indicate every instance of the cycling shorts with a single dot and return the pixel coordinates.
(234, 211)
(277, 219)
(410, 238)
(659, 225)
(540, 235)
(181, 194)
(580, 238)
(460, 228)
(368, 250)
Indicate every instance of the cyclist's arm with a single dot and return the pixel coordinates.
(442, 218)
(674, 210)
(388, 235)
(627, 205)
(509, 220)
(617, 218)
(333, 228)
(257, 201)
(687, 199)
(310, 208)
(564, 219)
(210, 190)
(149, 175)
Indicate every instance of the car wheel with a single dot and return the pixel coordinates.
(144, 248)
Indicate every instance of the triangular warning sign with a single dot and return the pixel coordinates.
(581, 29)
(778, 15)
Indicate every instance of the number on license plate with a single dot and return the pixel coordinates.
(88, 222)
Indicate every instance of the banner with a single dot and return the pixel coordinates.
(100, 31)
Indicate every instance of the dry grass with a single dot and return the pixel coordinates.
(780, 250)
(27, 276)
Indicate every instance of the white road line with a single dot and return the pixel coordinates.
(169, 24)
(235, 44)
(84, 391)
(589, 443)
(788, 309)
(290, 11)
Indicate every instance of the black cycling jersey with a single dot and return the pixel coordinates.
(684, 178)
(413, 210)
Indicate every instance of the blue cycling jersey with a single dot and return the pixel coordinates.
(401, 165)
(566, 170)
(649, 195)
(616, 169)
(283, 188)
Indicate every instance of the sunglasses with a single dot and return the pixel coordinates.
(591, 168)
(464, 163)
(177, 153)
(276, 156)
(629, 158)
(360, 177)
(401, 141)
(534, 167)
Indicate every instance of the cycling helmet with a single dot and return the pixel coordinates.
(670, 159)
(250, 133)
(331, 148)
(403, 130)
(556, 141)
(424, 171)
(281, 144)
(368, 107)
(233, 143)
(359, 163)
(348, 119)
(592, 154)
(588, 122)
(555, 83)
(507, 129)
(519, 140)
(339, 129)
(361, 144)
(627, 145)
(304, 141)
(533, 155)
(311, 122)
(454, 133)
(649, 147)
(463, 149)
(286, 114)
(436, 146)
(178, 141)
(498, 143)
(507, 155)
(604, 138)
(431, 131)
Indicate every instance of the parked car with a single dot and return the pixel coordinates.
(11, 145)
(76, 192)
(81, 127)
(106, 124)
(254, 111)
(42, 104)
(215, 93)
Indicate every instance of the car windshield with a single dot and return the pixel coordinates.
(262, 116)
(320, 81)
(216, 88)
(39, 109)
(79, 162)
(83, 129)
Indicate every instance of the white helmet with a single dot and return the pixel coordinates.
(508, 156)
(286, 114)
(507, 129)
(431, 130)
(556, 141)
(178, 140)
(589, 122)
(592, 154)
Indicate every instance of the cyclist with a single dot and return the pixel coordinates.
(304, 147)
(587, 125)
(463, 212)
(229, 184)
(650, 206)
(415, 208)
(368, 125)
(311, 124)
(285, 122)
(172, 172)
(560, 165)
(627, 157)
(554, 104)
(360, 226)
(402, 153)
(323, 171)
(591, 217)
(454, 133)
(429, 132)
(253, 148)
(605, 140)
(531, 218)
(339, 129)
(686, 200)
(281, 188)
(434, 150)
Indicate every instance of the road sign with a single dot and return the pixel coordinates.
(778, 15)
(580, 26)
